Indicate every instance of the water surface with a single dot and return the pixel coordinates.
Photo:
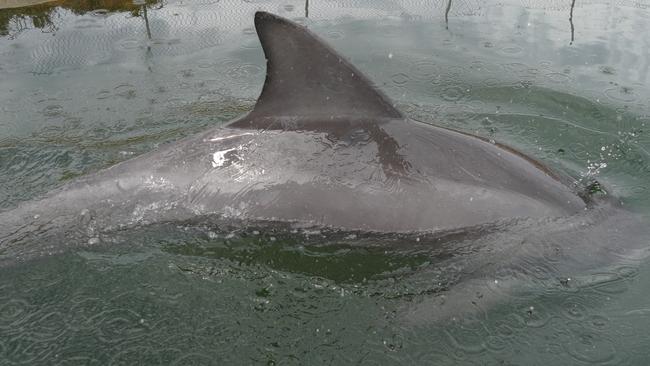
(86, 84)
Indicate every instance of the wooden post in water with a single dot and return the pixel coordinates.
(573, 3)
(447, 14)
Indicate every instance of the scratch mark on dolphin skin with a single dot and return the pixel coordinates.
(222, 138)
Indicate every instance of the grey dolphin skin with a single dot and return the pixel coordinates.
(322, 147)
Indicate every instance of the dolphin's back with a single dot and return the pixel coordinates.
(395, 176)
(406, 176)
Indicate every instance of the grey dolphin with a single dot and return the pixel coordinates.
(322, 147)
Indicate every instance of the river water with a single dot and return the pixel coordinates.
(87, 84)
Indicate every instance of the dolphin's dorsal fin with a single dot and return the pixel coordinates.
(307, 78)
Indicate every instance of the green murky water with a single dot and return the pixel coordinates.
(86, 84)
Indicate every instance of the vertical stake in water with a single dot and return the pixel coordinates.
(447, 14)
(143, 4)
(146, 20)
(573, 3)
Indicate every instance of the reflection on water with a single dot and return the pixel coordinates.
(86, 84)
(15, 18)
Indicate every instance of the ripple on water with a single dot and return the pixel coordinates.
(176, 102)
(244, 70)
(136, 355)
(492, 82)
(129, 43)
(87, 23)
(558, 77)
(23, 350)
(53, 111)
(498, 345)
(573, 308)
(545, 64)
(579, 151)
(624, 94)
(249, 31)
(193, 359)
(48, 327)
(400, 79)
(86, 308)
(512, 50)
(424, 70)
(118, 325)
(432, 357)
(12, 312)
(608, 283)
(335, 34)
(76, 359)
(516, 68)
(467, 338)
(627, 272)
(126, 91)
(205, 63)
(394, 343)
(586, 345)
(536, 315)
(509, 326)
(103, 94)
(455, 93)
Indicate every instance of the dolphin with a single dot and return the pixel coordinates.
(322, 147)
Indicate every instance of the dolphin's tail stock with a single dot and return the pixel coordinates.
(43, 227)
(24, 225)
(75, 215)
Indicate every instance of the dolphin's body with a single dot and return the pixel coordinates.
(322, 147)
